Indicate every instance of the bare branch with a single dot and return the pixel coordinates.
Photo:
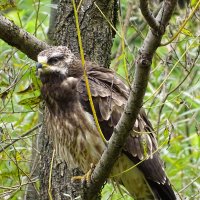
(153, 23)
(19, 38)
(135, 101)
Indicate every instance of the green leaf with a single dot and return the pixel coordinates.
(187, 32)
(32, 101)
(28, 90)
(4, 84)
(5, 4)
(36, 81)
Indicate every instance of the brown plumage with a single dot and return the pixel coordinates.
(71, 125)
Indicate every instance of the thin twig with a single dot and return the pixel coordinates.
(23, 135)
(189, 184)
(183, 25)
(175, 65)
(174, 89)
(125, 26)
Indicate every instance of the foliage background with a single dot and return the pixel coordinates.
(174, 113)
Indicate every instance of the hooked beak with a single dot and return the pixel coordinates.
(38, 66)
(41, 64)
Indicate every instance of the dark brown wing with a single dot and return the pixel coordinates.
(109, 96)
(105, 90)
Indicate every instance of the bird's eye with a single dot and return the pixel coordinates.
(54, 60)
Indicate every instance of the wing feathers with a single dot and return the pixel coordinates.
(104, 109)
(110, 95)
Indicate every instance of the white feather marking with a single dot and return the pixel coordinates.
(69, 59)
(69, 81)
(90, 119)
(56, 54)
(63, 71)
(42, 59)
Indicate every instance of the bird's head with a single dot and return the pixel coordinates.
(54, 62)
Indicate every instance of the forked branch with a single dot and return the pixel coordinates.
(148, 15)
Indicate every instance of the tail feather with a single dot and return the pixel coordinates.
(162, 191)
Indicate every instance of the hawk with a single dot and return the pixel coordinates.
(71, 125)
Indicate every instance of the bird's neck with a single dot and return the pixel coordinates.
(52, 78)
(60, 94)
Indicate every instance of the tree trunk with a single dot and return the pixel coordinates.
(97, 37)
(96, 33)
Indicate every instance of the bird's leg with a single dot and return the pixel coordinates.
(85, 179)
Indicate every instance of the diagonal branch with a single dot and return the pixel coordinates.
(151, 20)
(19, 38)
(135, 101)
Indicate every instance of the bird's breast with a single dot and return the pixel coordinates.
(75, 137)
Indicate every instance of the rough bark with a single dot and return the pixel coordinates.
(96, 32)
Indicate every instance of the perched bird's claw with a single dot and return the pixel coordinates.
(85, 179)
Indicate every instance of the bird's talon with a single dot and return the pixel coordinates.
(85, 179)
(77, 178)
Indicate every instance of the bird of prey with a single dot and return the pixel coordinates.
(71, 125)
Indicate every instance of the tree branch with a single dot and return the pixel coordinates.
(19, 38)
(153, 23)
(138, 88)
